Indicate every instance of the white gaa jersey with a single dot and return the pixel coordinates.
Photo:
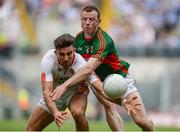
(55, 72)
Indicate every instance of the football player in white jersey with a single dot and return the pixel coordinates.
(58, 65)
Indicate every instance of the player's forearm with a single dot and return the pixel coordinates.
(81, 75)
(51, 104)
(98, 86)
(47, 87)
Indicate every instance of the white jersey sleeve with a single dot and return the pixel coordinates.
(80, 62)
(47, 64)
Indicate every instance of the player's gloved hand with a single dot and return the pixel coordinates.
(59, 118)
(58, 92)
(131, 105)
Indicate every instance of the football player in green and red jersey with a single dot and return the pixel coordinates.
(97, 47)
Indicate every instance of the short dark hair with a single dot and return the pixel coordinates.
(90, 8)
(63, 41)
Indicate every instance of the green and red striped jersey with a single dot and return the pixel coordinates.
(101, 46)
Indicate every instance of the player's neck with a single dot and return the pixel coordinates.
(88, 37)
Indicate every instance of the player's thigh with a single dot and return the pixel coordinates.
(39, 119)
(140, 111)
(78, 103)
(103, 101)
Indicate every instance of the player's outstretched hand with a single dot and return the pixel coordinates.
(59, 118)
(58, 92)
(132, 105)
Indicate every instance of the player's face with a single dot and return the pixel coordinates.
(89, 23)
(65, 56)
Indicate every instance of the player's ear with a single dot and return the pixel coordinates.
(99, 20)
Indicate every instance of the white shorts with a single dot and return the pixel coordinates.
(61, 103)
(131, 85)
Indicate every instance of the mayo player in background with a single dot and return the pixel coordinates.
(58, 65)
(98, 48)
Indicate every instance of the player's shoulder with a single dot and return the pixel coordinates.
(104, 38)
(79, 37)
(79, 61)
(79, 34)
(48, 61)
(104, 35)
(79, 58)
(50, 53)
(49, 56)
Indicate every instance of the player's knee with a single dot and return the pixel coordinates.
(78, 117)
(78, 113)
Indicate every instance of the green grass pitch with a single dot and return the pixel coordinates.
(19, 125)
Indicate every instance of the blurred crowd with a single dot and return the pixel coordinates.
(147, 22)
(133, 22)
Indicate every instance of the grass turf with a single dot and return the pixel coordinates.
(19, 125)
